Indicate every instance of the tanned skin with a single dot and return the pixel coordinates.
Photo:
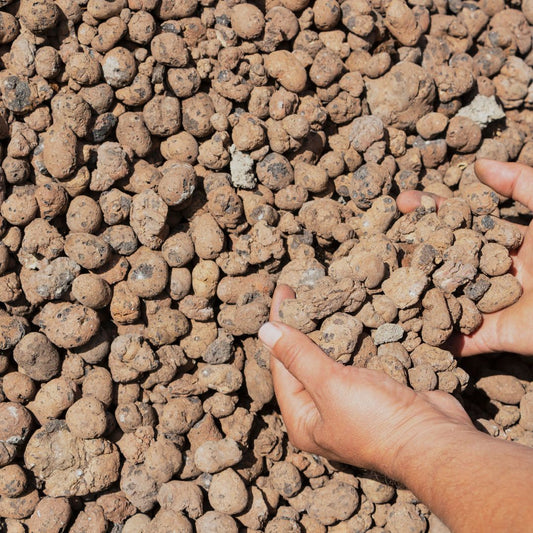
(425, 440)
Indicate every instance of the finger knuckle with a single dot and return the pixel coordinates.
(293, 354)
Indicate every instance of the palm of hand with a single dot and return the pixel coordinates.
(508, 329)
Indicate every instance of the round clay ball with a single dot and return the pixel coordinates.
(177, 184)
(247, 21)
(275, 172)
(285, 478)
(18, 387)
(137, 524)
(227, 492)
(215, 522)
(98, 384)
(326, 13)
(115, 206)
(84, 215)
(68, 325)
(178, 249)
(89, 251)
(38, 15)
(196, 115)
(15, 423)
(121, 238)
(119, 67)
(96, 350)
(182, 147)
(86, 418)
(13, 481)
(141, 27)
(162, 115)
(37, 357)
(149, 273)
(84, 69)
(91, 290)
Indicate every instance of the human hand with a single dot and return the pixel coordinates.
(508, 330)
(352, 415)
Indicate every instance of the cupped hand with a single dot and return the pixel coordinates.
(352, 415)
(508, 330)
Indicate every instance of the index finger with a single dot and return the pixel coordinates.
(300, 356)
(289, 390)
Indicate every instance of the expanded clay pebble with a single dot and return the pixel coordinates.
(164, 165)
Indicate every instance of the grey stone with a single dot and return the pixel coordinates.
(482, 110)
(387, 333)
(241, 169)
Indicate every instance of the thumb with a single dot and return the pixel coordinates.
(299, 355)
(513, 180)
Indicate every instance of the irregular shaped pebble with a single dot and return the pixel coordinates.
(214, 456)
(503, 291)
(165, 164)
(526, 411)
(70, 466)
(242, 169)
(503, 388)
(387, 333)
(401, 96)
(482, 110)
(405, 286)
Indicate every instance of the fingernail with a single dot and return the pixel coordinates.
(269, 334)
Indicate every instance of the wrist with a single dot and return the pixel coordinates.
(417, 459)
(463, 475)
